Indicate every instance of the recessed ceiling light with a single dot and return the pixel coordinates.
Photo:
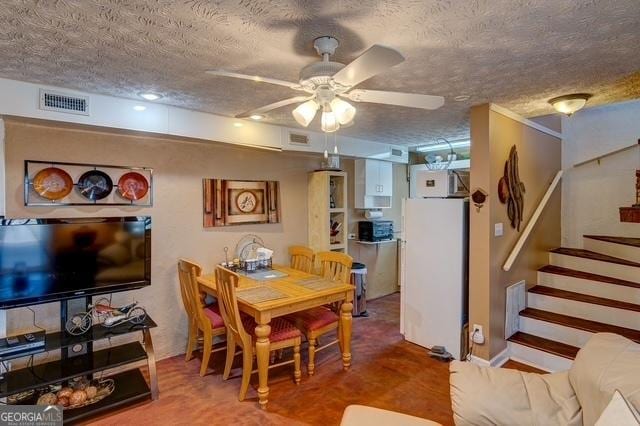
(462, 98)
(256, 117)
(568, 104)
(237, 124)
(139, 107)
(150, 96)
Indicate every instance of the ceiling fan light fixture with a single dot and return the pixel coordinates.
(305, 112)
(568, 104)
(329, 121)
(344, 111)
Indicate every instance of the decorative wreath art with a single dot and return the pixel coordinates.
(50, 183)
(511, 190)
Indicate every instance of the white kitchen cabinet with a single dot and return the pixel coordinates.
(373, 184)
(385, 178)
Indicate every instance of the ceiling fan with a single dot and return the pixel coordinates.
(328, 83)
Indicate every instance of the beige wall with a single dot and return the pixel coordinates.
(593, 193)
(381, 259)
(177, 212)
(492, 136)
(179, 166)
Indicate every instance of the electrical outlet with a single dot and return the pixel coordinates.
(351, 236)
(477, 336)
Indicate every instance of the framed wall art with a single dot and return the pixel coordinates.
(236, 202)
(48, 183)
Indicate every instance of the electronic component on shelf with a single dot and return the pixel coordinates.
(22, 343)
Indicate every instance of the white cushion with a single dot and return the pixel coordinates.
(619, 412)
(608, 362)
(361, 415)
(482, 396)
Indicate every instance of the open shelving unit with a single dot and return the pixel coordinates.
(327, 205)
(130, 385)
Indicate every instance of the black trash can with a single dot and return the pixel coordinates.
(359, 280)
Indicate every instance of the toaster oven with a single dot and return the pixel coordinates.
(375, 230)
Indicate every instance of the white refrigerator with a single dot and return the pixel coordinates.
(434, 283)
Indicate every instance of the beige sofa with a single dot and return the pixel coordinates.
(490, 396)
(498, 396)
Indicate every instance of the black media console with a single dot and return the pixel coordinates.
(130, 385)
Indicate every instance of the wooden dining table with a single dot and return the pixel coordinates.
(296, 292)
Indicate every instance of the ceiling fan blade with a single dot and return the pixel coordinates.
(275, 105)
(412, 100)
(223, 73)
(373, 61)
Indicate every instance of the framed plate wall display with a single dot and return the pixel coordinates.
(48, 183)
(235, 202)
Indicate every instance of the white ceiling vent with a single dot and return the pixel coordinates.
(396, 152)
(52, 100)
(298, 139)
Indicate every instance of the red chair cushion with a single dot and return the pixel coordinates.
(281, 329)
(213, 313)
(314, 318)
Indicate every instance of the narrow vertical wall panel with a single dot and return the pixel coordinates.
(516, 302)
(2, 175)
(494, 131)
(3, 313)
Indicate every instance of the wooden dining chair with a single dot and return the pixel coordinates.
(319, 321)
(335, 266)
(242, 327)
(301, 258)
(205, 319)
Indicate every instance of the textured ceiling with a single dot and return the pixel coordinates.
(517, 53)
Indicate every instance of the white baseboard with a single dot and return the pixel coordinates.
(529, 363)
(496, 361)
(501, 358)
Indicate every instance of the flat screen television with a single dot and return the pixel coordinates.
(44, 260)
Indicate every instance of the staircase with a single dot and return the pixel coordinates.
(581, 292)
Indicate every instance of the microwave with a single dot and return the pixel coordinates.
(375, 230)
(442, 184)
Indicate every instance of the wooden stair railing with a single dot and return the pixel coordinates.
(608, 154)
(627, 214)
(532, 222)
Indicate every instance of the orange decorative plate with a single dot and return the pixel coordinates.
(52, 183)
(133, 186)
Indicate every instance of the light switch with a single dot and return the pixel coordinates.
(498, 229)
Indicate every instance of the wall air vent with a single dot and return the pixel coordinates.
(396, 152)
(51, 100)
(516, 302)
(298, 139)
